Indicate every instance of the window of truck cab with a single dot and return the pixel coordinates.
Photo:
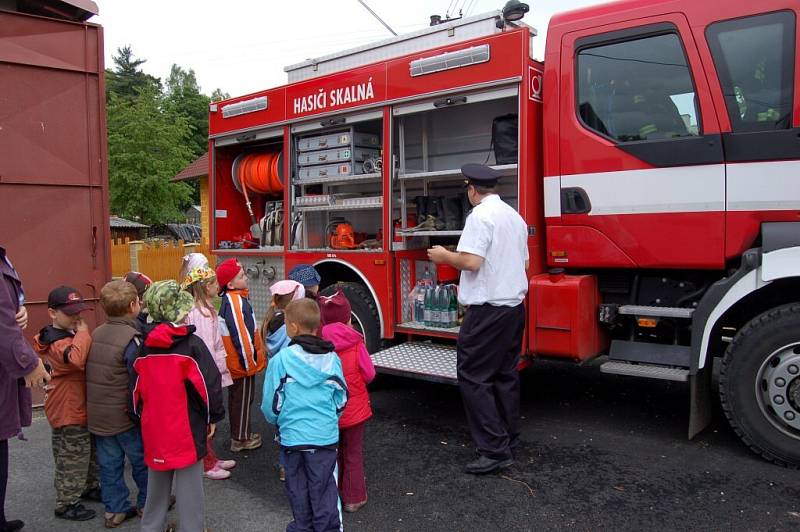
(754, 57)
(636, 86)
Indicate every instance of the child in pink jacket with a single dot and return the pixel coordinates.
(358, 371)
(202, 283)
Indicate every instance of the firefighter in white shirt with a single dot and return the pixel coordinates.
(492, 255)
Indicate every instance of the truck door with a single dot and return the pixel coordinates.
(754, 56)
(642, 181)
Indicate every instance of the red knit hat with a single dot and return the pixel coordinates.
(226, 271)
(334, 309)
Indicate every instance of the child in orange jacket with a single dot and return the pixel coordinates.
(64, 348)
(244, 346)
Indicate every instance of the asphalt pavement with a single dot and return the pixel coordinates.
(598, 452)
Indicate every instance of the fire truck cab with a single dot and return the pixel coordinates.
(654, 154)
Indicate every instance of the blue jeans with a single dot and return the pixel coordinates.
(111, 453)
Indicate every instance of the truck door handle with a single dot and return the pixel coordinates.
(444, 102)
(575, 200)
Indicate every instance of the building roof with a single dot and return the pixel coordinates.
(121, 223)
(195, 170)
(74, 10)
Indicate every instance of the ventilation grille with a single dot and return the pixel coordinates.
(450, 60)
(244, 107)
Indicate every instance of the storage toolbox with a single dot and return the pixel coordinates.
(563, 316)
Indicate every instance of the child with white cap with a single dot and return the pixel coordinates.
(273, 328)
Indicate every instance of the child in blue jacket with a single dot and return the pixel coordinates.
(304, 395)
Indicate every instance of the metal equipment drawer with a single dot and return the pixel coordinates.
(335, 156)
(328, 170)
(338, 140)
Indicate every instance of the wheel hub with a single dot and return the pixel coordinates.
(780, 388)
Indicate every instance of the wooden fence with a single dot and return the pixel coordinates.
(159, 259)
(120, 257)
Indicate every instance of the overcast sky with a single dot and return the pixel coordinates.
(242, 46)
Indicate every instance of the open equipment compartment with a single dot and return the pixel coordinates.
(337, 184)
(249, 171)
(432, 140)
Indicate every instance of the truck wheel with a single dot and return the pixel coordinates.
(365, 312)
(759, 385)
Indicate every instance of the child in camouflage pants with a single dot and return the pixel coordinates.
(64, 347)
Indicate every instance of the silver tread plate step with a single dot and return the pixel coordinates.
(659, 312)
(646, 370)
(433, 362)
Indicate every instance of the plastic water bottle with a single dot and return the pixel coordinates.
(427, 315)
(453, 307)
(419, 303)
(436, 310)
(427, 277)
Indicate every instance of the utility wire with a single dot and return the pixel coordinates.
(374, 14)
(449, 7)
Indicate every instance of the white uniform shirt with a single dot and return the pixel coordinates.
(496, 232)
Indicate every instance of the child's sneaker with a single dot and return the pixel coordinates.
(254, 442)
(226, 464)
(75, 512)
(217, 473)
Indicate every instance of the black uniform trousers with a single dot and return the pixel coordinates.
(489, 345)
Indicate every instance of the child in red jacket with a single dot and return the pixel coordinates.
(358, 371)
(178, 396)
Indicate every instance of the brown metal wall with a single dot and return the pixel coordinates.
(53, 159)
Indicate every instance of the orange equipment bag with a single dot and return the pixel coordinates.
(343, 236)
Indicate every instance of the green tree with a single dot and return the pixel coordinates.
(127, 79)
(146, 148)
(219, 95)
(183, 99)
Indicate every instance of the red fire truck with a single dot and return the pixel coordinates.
(655, 155)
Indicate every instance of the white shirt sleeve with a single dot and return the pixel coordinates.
(476, 237)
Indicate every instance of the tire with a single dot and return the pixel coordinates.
(365, 312)
(759, 385)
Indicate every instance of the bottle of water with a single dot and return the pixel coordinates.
(427, 315)
(419, 303)
(453, 306)
(436, 308)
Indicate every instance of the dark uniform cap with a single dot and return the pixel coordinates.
(67, 300)
(480, 175)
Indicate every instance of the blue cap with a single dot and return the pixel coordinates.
(305, 274)
(480, 175)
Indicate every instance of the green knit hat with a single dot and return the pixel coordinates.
(166, 301)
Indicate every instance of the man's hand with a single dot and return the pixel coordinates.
(81, 325)
(212, 429)
(22, 317)
(439, 255)
(37, 377)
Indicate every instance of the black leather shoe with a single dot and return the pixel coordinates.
(12, 526)
(484, 465)
(75, 512)
(92, 494)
